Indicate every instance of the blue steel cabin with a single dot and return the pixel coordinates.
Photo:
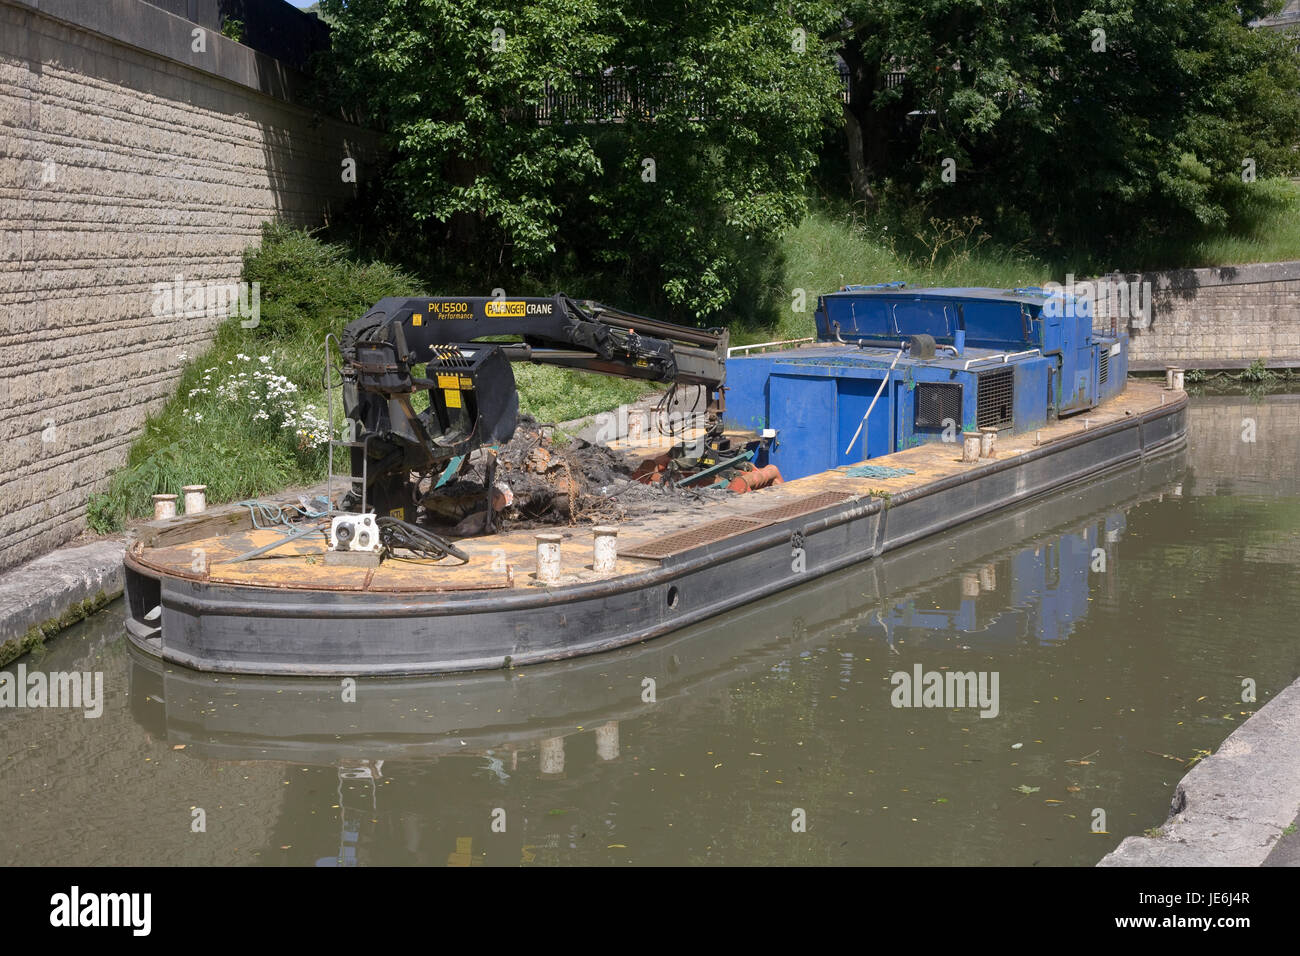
(963, 359)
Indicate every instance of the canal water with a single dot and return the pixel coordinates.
(1118, 630)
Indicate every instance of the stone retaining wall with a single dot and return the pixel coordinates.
(1223, 318)
(135, 146)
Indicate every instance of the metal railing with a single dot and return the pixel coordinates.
(744, 349)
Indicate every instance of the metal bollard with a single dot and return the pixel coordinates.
(196, 499)
(988, 442)
(604, 549)
(1174, 378)
(970, 446)
(548, 557)
(164, 507)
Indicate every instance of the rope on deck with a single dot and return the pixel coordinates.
(877, 471)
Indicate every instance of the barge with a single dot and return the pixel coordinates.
(1026, 583)
(910, 413)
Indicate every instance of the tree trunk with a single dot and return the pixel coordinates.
(861, 132)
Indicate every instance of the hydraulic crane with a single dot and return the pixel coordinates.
(459, 351)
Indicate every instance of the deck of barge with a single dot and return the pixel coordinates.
(505, 560)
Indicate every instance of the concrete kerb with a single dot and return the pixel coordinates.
(43, 596)
(1231, 808)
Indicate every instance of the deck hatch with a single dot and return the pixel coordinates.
(802, 506)
(995, 399)
(936, 405)
(681, 541)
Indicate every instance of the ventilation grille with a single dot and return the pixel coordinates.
(1103, 366)
(450, 357)
(936, 404)
(993, 407)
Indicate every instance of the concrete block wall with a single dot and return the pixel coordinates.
(127, 157)
(1224, 317)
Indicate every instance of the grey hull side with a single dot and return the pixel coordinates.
(212, 627)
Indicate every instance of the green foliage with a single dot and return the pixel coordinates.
(559, 395)
(255, 434)
(234, 29)
(1055, 139)
(726, 99)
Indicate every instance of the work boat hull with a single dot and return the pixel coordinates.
(294, 617)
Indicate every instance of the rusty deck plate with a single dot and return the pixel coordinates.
(722, 528)
(706, 533)
(801, 506)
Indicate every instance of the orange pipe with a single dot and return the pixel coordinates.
(753, 480)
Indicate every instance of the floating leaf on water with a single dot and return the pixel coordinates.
(1025, 788)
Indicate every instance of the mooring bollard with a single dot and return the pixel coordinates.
(1174, 377)
(548, 557)
(604, 549)
(607, 741)
(164, 507)
(970, 446)
(988, 442)
(196, 499)
(551, 753)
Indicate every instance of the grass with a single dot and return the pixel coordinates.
(833, 247)
(827, 251)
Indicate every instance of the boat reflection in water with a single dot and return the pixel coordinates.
(1000, 586)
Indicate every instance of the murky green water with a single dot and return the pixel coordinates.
(1120, 619)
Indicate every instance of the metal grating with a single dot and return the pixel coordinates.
(1103, 366)
(801, 506)
(937, 404)
(708, 533)
(995, 398)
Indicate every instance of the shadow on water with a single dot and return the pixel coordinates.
(1119, 618)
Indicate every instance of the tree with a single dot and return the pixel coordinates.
(663, 139)
(1111, 117)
